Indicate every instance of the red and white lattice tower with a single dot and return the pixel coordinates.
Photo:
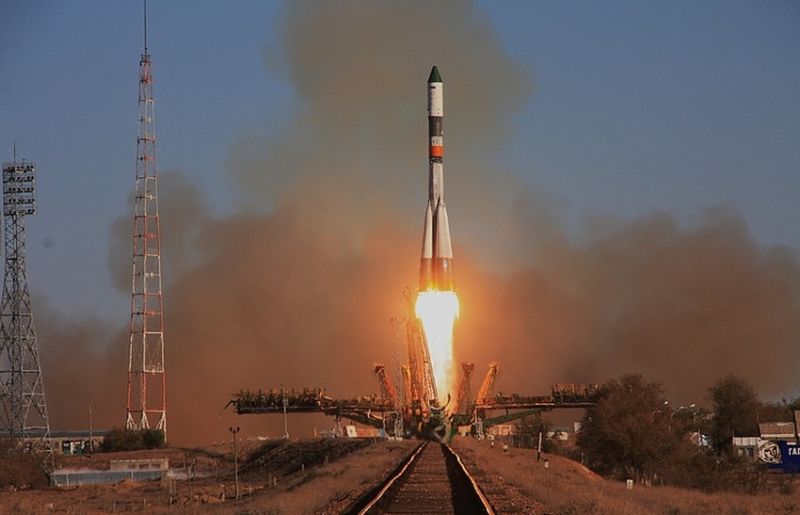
(147, 402)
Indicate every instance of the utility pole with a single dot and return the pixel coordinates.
(539, 448)
(285, 416)
(91, 440)
(669, 426)
(235, 431)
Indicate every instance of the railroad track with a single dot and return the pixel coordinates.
(432, 480)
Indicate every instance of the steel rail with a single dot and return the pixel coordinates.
(392, 480)
(486, 505)
(384, 495)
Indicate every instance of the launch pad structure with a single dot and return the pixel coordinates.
(411, 410)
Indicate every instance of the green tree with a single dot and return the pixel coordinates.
(531, 426)
(129, 440)
(782, 411)
(152, 438)
(735, 406)
(627, 433)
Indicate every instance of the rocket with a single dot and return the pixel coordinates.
(436, 264)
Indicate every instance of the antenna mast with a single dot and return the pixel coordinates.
(146, 401)
(145, 26)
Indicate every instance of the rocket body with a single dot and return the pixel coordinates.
(436, 264)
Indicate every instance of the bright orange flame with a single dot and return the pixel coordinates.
(438, 310)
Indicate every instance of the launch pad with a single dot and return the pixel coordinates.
(410, 420)
(414, 410)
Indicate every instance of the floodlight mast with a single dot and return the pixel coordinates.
(24, 409)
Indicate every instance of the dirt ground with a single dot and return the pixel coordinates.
(277, 482)
(568, 488)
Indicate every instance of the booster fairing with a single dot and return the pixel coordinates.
(436, 264)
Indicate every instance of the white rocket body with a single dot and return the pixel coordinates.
(436, 264)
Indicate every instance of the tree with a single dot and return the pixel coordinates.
(531, 426)
(131, 440)
(735, 406)
(778, 411)
(626, 433)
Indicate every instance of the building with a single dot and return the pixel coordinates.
(560, 433)
(503, 430)
(776, 431)
(77, 442)
(71, 442)
(777, 446)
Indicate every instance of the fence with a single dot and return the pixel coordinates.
(93, 477)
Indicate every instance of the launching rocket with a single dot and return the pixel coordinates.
(436, 264)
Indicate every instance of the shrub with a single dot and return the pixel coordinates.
(20, 468)
(153, 438)
(132, 440)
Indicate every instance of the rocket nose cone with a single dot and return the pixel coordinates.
(434, 76)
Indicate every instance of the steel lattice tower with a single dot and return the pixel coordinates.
(24, 410)
(147, 403)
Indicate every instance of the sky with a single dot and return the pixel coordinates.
(634, 108)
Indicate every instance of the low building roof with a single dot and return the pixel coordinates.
(777, 429)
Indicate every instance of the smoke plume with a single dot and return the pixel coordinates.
(300, 291)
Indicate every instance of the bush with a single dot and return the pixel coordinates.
(20, 468)
(692, 467)
(132, 440)
(153, 438)
(626, 434)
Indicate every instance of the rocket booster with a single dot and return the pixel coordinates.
(436, 264)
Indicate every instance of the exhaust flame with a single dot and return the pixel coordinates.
(438, 310)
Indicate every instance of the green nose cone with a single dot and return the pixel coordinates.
(434, 76)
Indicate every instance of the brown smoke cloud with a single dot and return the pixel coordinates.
(681, 305)
(83, 360)
(301, 290)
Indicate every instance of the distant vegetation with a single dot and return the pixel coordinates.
(633, 432)
(131, 440)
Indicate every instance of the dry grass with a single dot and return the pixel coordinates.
(568, 488)
(22, 470)
(334, 485)
(331, 488)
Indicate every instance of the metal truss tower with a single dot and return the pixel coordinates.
(147, 403)
(24, 410)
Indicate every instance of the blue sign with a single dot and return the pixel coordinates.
(790, 457)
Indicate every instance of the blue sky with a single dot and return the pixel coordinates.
(637, 106)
